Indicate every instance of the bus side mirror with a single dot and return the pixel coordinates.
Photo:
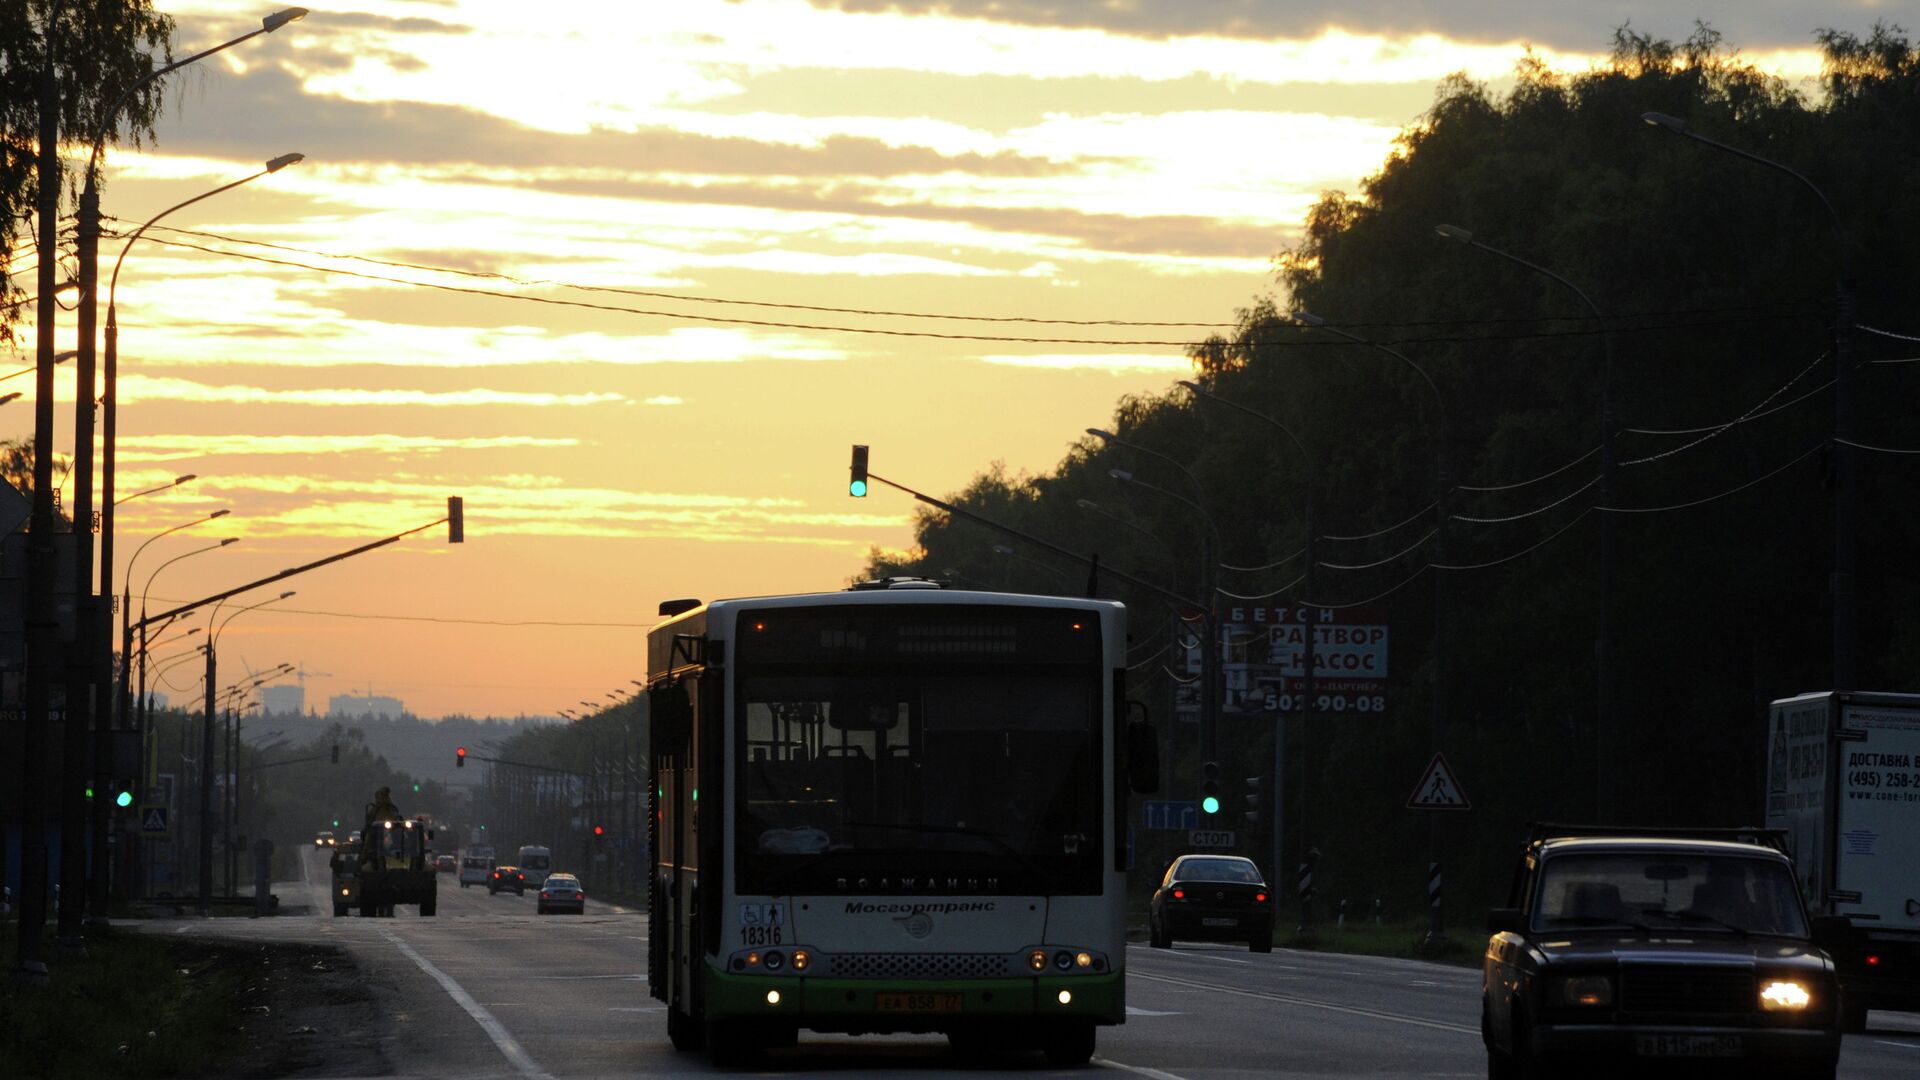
(1143, 751)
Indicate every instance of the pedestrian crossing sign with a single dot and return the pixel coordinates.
(1437, 789)
(153, 821)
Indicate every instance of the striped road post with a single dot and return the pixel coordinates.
(1433, 900)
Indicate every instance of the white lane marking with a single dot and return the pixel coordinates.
(570, 978)
(1135, 1010)
(511, 1049)
(1289, 999)
(1141, 1070)
(636, 1008)
(1901, 1045)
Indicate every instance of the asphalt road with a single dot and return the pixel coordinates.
(487, 988)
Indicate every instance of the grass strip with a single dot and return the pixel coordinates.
(134, 1006)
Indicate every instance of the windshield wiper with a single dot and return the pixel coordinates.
(1600, 920)
(1694, 915)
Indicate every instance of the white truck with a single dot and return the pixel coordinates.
(1843, 781)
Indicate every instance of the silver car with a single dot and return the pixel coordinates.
(562, 892)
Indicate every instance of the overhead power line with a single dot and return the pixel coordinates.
(1410, 519)
(1817, 447)
(1182, 344)
(889, 313)
(1431, 533)
(1741, 419)
(1529, 513)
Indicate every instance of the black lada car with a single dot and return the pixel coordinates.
(1633, 953)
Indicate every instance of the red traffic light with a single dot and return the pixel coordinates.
(460, 757)
(599, 830)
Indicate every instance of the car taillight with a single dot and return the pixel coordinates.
(1179, 894)
(1259, 898)
(545, 895)
(1873, 959)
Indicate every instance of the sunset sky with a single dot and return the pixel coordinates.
(602, 207)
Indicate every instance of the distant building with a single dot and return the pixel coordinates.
(283, 700)
(352, 707)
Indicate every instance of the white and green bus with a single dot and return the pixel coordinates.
(898, 808)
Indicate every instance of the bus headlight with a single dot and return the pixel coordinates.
(1783, 995)
(1037, 960)
(1066, 997)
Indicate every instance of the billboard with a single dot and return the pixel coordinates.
(1264, 660)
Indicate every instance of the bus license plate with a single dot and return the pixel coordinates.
(1219, 922)
(917, 1003)
(1687, 1046)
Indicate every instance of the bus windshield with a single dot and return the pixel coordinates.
(920, 780)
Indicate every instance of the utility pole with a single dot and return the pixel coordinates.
(41, 619)
(206, 789)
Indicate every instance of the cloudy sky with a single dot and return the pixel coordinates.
(631, 277)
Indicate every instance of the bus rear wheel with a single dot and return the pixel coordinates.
(1068, 1044)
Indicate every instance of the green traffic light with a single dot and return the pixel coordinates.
(416, 787)
(858, 489)
(89, 791)
(1210, 804)
(123, 800)
(336, 823)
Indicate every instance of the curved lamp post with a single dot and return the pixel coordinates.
(87, 248)
(1846, 492)
(1308, 661)
(211, 648)
(177, 481)
(1443, 485)
(1607, 689)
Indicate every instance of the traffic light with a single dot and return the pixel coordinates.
(599, 831)
(1253, 798)
(456, 520)
(122, 793)
(857, 485)
(459, 757)
(1210, 788)
(336, 823)
(416, 789)
(336, 754)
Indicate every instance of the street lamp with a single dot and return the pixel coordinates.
(206, 746)
(126, 603)
(109, 407)
(1846, 492)
(1309, 660)
(1604, 719)
(87, 250)
(1209, 591)
(1443, 487)
(1173, 576)
(177, 481)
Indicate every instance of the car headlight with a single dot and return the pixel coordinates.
(1783, 995)
(1585, 990)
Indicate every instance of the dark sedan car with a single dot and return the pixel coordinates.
(1631, 951)
(562, 892)
(507, 877)
(1212, 898)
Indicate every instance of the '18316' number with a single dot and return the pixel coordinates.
(759, 935)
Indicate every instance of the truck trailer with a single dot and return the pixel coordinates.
(1843, 781)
